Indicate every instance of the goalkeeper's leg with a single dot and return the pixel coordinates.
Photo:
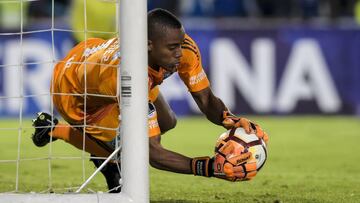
(111, 173)
(111, 170)
(95, 147)
(44, 124)
(47, 125)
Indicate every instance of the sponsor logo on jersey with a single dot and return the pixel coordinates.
(109, 52)
(153, 124)
(69, 61)
(197, 78)
(92, 50)
(116, 56)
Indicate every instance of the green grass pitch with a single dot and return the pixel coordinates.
(311, 159)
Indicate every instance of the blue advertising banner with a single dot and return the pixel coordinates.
(279, 71)
(26, 64)
(259, 71)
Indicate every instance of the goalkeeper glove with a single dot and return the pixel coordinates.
(230, 121)
(232, 167)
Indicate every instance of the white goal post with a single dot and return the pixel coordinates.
(134, 108)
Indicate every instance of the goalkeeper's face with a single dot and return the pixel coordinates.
(165, 49)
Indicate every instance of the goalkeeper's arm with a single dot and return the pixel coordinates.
(210, 105)
(216, 111)
(164, 159)
(167, 160)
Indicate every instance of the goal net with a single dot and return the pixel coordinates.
(29, 49)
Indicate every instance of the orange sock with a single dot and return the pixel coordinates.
(75, 137)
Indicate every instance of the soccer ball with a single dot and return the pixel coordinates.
(243, 142)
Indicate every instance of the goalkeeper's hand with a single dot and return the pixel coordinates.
(232, 167)
(231, 164)
(230, 121)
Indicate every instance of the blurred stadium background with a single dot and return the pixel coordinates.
(291, 65)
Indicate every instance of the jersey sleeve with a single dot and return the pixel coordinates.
(190, 70)
(153, 125)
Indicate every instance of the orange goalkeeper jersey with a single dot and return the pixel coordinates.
(90, 69)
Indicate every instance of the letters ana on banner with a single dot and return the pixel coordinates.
(262, 72)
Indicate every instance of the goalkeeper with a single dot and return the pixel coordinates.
(93, 64)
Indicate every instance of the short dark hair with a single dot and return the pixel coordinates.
(159, 20)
